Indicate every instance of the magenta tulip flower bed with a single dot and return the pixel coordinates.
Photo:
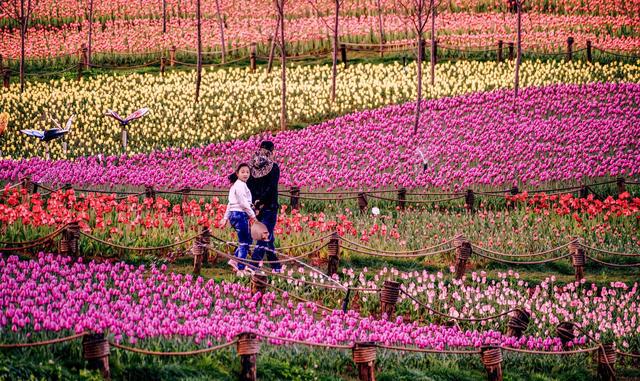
(560, 133)
(52, 294)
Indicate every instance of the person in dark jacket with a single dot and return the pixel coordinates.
(263, 184)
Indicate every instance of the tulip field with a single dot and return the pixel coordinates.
(472, 213)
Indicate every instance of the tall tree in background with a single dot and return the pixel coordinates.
(433, 42)
(380, 24)
(89, 16)
(199, 63)
(515, 6)
(417, 11)
(20, 11)
(164, 16)
(334, 40)
(221, 25)
(283, 62)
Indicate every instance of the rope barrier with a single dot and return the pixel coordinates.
(147, 64)
(523, 262)
(492, 317)
(301, 298)
(397, 252)
(46, 342)
(38, 242)
(397, 256)
(248, 261)
(540, 253)
(613, 264)
(307, 243)
(421, 350)
(626, 354)
(186, 353)
(336, 346)
(610, 252)
(535, 352)
(417, 201)
(139, 248)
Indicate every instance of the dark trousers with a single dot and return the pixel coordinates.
(269, 217)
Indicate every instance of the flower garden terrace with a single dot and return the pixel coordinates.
(153, 311)
(561, 133)
(239, 104)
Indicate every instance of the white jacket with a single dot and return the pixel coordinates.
(239, 200)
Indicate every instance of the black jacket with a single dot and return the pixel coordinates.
(264, 190)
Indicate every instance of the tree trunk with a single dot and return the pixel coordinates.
(519, 47)
(23, 36)
(199, 66)
(380, 25)
(273, 45)
(334, 69)
(283, 53)
(90, 33)
(220, 24)
(419, 68)
(433, 42)
(164, 16)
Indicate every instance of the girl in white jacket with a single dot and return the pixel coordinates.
(240, 212)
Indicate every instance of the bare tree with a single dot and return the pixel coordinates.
(20, 11)
(283, 61)
(417, 11)
(199, 62)
(380, 24)
(334, 40)
(89, 17)
(515, 6)
(433, 42)
(221, 25)
(164, 16)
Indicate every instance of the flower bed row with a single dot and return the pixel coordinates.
(560, 133)
(53, 294)
(541, 32)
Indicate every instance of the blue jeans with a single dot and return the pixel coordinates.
(269, 218)
(240, 222)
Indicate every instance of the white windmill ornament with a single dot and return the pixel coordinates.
(124, 122)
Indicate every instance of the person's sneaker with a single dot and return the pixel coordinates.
(250, 270)
(276, 271)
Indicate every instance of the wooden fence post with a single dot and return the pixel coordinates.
(333, 254)
(364, 355)
(570, 48)
(606, 362)
(85, 56)
(589, 56)
(343, 55)
(6, 78)
(435, 51)
(196, 250)
(248, 347)
(402, 198)
(492, 361)
(204, 240)
(518, 323)
(172, 56)
(95, 349)
(149, 192)
(566, 332)
(500, 43)
(511, 51)
(123, 134)
(389, 298)
(294, 202)
(252, 57)
(362, 202)
(79, 75)
(163, 63)
(622, 185)
(463, 253)
(70, 241)
(259, 283)
(470, 200)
